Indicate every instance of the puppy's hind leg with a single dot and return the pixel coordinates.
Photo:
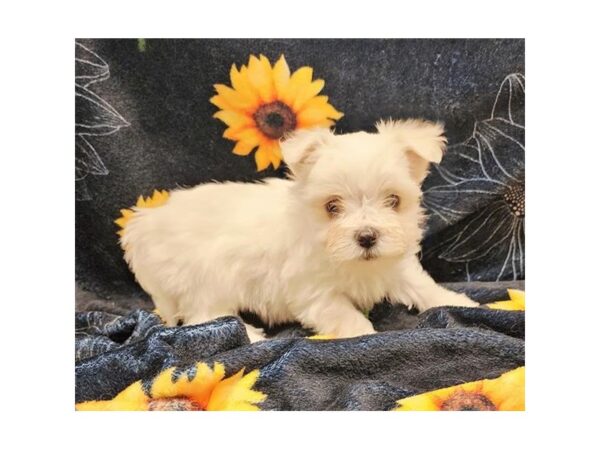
(167, 308)
(254, 334)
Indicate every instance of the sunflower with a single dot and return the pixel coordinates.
(476, 196)
(202, 389)
(516, 302)
(265, 102)
(505, 393)
(157, 199)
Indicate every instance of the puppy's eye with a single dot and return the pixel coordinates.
(392, 201)
(333, 207)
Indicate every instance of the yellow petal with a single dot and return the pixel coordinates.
(159, 198)
(243, 148)
(262, 158)
(299, 79)
(153, 201)
(517, 295)
(317, 114)
(256, 97)
(250, 135)
(306, 93)
(239, 81)
(508, 391)
(260, 78)
(423, 402)
(271, 148)
(163, 386)
(327, 123)
(201, 388)
(275, 154)
(121, 221)
(233, 98)
(319, 100)
(235, 393)
(281, 76)
(221, 103)
(270, 93)
(516, 302)
(234, 119)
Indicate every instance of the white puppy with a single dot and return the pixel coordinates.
(320, 248)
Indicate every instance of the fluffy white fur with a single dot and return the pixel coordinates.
(273, 247)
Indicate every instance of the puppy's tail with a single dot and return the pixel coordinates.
(158, 198)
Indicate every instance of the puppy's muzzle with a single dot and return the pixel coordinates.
(367, 237)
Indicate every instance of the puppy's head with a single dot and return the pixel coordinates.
(363, 190)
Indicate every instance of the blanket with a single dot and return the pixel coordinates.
(134, 362)
(147, 118)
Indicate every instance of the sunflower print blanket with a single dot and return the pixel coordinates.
(443, 359)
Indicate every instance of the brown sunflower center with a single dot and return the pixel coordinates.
(275, 119)
(515, 199)
(467, 401)
(174, 404)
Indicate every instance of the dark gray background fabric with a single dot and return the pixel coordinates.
(144, 122)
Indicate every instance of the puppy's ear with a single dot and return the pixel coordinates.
(424, 143)
(299, 149)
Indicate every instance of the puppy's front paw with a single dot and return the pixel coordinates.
(255, 334)
(456, 299)
(450, 298)
(357, 330)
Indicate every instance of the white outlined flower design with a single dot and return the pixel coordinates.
(476, 196)
(93, 117)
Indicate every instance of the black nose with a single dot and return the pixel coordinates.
(367, 237)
